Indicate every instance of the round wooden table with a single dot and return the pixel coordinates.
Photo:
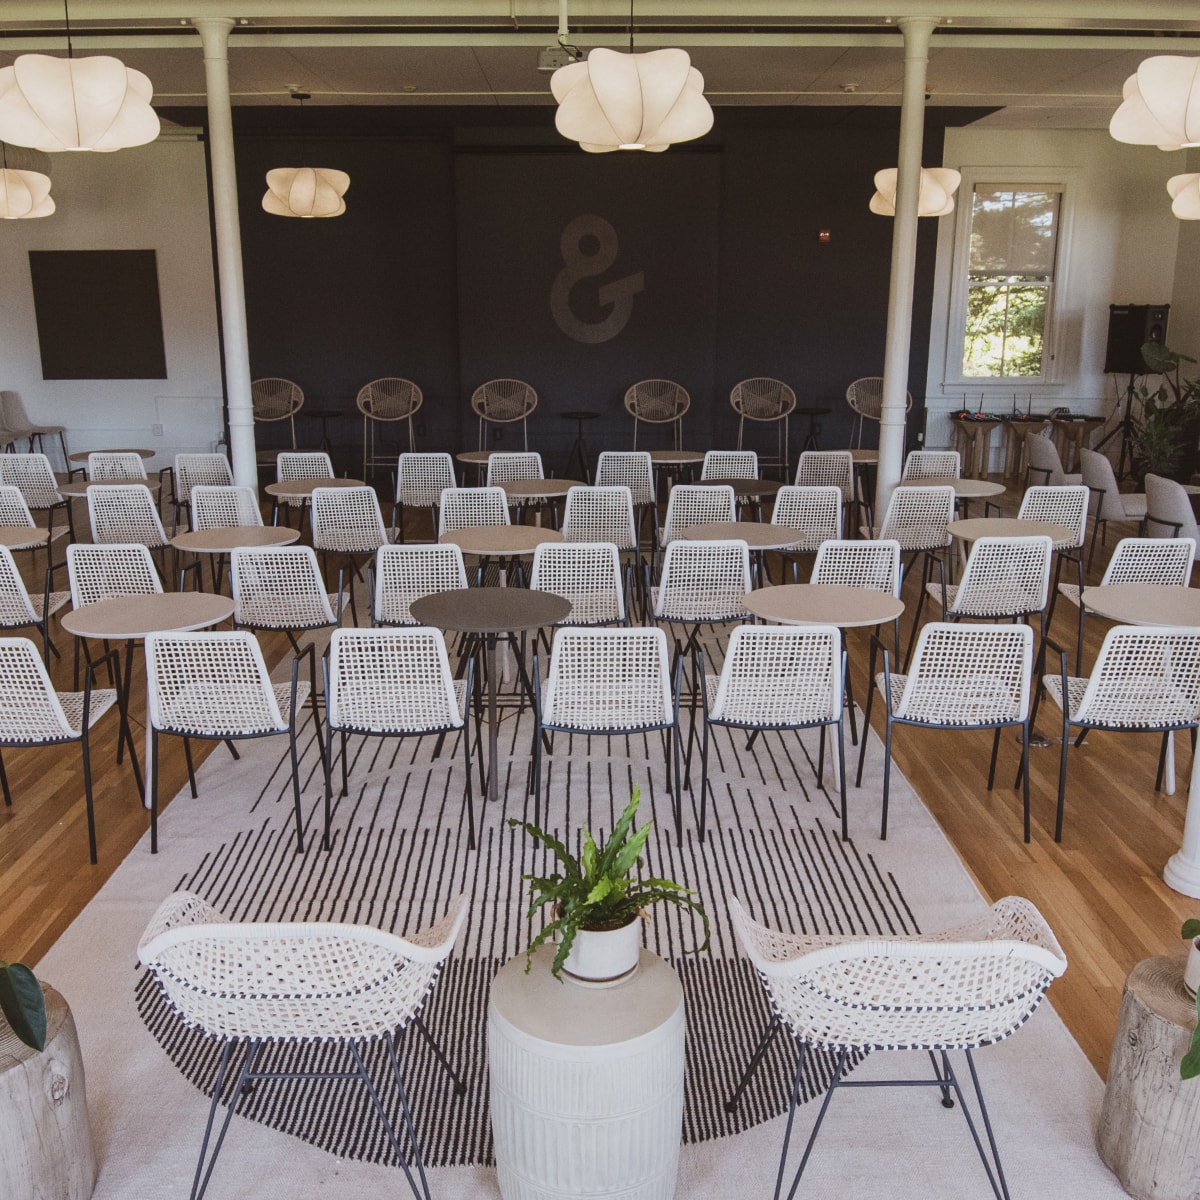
(79, 487)
(675, 458)
(228, 538)
(502, 541)
(973, 528)
(1144, 603)
(758, 535)
(520, 490)
(82, 455)
(964, 489)
(823, 604)
(23, 537)
(302, 489)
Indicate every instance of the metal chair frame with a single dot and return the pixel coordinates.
(504, 402)
(386, 401)
(766, 401)
(658, 402)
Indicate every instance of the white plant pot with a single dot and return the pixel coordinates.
(1191, 972)
(602, 958)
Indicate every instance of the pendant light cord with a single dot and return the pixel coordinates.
(630, 25)
(67, 20)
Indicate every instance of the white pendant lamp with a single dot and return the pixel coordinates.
(1185, 196)
(1161, 105)
(95, 103)
(936, 198)
(24, 184)
(305, 191)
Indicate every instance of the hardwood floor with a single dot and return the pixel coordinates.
(1101, 889)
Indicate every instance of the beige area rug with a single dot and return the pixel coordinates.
(400, 855)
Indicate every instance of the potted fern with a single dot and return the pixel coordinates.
(598, 901)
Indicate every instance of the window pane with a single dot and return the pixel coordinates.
(1013, 232)
(1006, 321)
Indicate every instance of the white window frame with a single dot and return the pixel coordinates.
(1055, 179)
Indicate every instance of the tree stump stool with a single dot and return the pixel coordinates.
(1149, 1132)
(45, 1140)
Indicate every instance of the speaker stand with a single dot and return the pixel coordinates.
(1124, 429)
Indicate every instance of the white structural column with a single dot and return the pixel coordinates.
(917, 32)
(214, 34)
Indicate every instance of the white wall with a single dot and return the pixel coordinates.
(1121, 248)
(149, 198)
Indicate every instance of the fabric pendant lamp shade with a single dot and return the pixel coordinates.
(936, 199)
(56, 104)
(1185, 196)
(615, 101)
(1161, 105)
(305, 192)
(24, 183)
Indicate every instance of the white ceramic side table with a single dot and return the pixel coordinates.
(586, 1084)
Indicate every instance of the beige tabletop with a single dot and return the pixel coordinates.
(136, 616)
(538, 489)
(666, 457)
(500, 539)
(1144, 603)
(234, 537)
(861, 456)
(82, 455)
(303, 488)
(23, 537)
(758, 535)
(977, 527)
(743, 487)
(964, 489)
(823, 604)
(478, 457)
(78, 487)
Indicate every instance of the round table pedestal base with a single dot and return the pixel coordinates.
(1182, 875)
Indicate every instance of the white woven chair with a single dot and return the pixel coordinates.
(703, 583)
(115, 466)
(386, 401)
(658, 402)
(932, 464)
(960, 989)
(463, 508)
(346, 984)
(402, 574)
(20, 610)
(120, 513)
(635, 470)
(14, 512)
(347, 522)
(600, 514)
(39, 488)
(694, 504)
(102, 572)
(1164, 562)
(1044, 467)
(395, 683)
(589, 575)
(962, 677)
(865, 398)
(198, 470)
(1144, 680)
(777, 677)
(1068, 506)
(509, 466)
(814, 512)
(15, 420)
(420, 480)
(299, 465)
(274, 399)
(768, 401)
(224, 506)
(280, 588)
(729, 464)
(503, 402)
(827, 468)
(215, 686)
(1168, 510)
(1108, 502)
(608, 683)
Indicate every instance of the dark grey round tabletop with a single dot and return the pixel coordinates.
(490, 609)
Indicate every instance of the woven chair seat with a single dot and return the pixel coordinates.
(1159, 702)
(72, 705)
(1000, 601)
(391, 710)
(227, 709)
(717, 605)
(1070, 591)
(978, 700)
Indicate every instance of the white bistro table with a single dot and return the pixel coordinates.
(586, 1083)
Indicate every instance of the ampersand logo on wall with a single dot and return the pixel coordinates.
(582, 263)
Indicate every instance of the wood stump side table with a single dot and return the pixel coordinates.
(586, 1083)
(45, 1140)
(1149, 1131)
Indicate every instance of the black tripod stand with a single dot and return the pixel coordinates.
(1124, 429)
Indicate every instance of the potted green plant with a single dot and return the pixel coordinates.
(598, 901)
(1189, 1067)
(1167, 427)
(23, 1005)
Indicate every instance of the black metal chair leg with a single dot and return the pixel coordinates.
(756, 1058)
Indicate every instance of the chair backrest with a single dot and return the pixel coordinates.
(104, 572)
(390, 681)
(615, 678)
(303, 464)
(389, 399)
(693, 504)
(344, 981)
(865, 564)
(124, 512)
(279, 587)
(762, 399)
(200, 470)
(30, 710)
(120, 466)
(586, 573)
(818, 468)
(627, 468)
(33, 474)
(815, 511)
(729, 464)
(1062, 505)
(658, 402)
(422, 477)
(213, 683)
(1164, 561)
(957, 989)
(13, 509)
(461, 508)
(865, 398)
(780, 675)
(600, 514)
(703, 581)
(274, 399)
(13, 416)
(1045, 467)
(503, 401)
(1168, 510)
(968, 675)
(405, 572)
(1101, 482)
(1004, 576)
(917, 517)
(224, 506)
(510, 465)
(16, 608)
(347, 520)
(1144, 676)
(933, 464)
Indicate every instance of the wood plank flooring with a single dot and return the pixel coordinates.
(1101, 889)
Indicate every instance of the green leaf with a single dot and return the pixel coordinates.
(1189, 1067)
(620, 831)
(601, 889)
(23, 1004)
(631, 855)
(1191, 929)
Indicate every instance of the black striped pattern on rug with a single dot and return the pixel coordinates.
(399, 857)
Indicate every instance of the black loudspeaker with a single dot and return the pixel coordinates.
(1130, 326)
